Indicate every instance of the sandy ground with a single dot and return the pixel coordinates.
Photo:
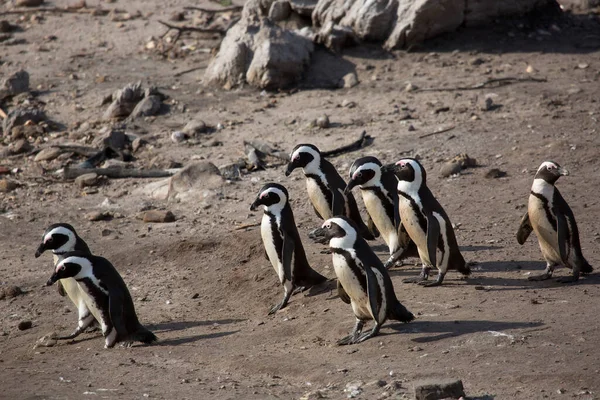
(205, 288)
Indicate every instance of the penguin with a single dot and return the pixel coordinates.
(108, 297)
(553, 222)
(326, 187)
(427, 223)
(283, 247)
(62, 238)
(380, 196)
(364, 278)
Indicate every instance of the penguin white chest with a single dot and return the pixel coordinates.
(410, 220)
(93, 306)
(318, 199)
(266, 232)
(544, 229)
(358, 296)
(382, 221)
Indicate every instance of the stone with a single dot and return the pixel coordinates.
(487, 104)
(24, 325)
(48, 340)
(20, 116)
(137, 144)
(197, 176)
(178, 136)
(29, 3)
(124, 101)
(47, 154)
(14, 84)
(86, 180)
(158, 216)
(495, 173)
(231, 171)
(439, 389)
(257, 52)
(10, 291)
(20, 146)
(450, 168)
(195, 127)
(115, 139)
(26, 131)
(323, 122)
(304, 8)
(149, 106)
(99, 216)
(6, 185)
(5, 26)
(349, 80)
(280, 10)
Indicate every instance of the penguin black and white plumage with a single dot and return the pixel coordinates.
(282, 243)
(62, 238)
(326, 187)
(553, 222)
(378, 188)
(108, 297)
(364, 278)
(427, 223)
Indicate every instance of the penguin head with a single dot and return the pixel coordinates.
(272, 196)
(409, 172)
(306, 156)
(365, 171)
(74, 265)
(60, 238)
(339, 231)
(550, 171)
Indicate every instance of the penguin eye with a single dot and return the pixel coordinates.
(551, 166)
(62, 268)
(50, 240)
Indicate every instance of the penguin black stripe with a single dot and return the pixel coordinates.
(358, 272)
(547, 210)
(416, 210)
(387, 201)
(326, 191)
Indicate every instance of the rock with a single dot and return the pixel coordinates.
(6, 185)
(487, 105)
(178, 137)
(495, 173)
(115, 139)
(260, 53)
(195, 127)
(193, 178)
(304, 7)
(323, 122)
(147, 107)
(48, 340)
(158, 216)
(124, 101)
(29, 3)
(10, 291)
(465, 161)
(439, 389)
(137, 144)
(20, 146)
(349, 80)
(47, 154)
(99, 216)
(348, 103)
(24, 325)
(5, 26)
(280, 10)
(26, 131)
(450, 168)
(20, 116)
(15, 83)
(230, 171)
(86, 180)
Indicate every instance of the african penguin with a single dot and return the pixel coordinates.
(283, 246)
(427, 223)
(61, 238)
(380, 196)
(549, 215)
(364, 278)
(326, 187)
(108, 297)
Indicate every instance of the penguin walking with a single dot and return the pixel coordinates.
(427, 223)
(549, 215)
(380, 196)
(364, 278)
(283, 247)
(108, 297)
(326, 187)
(61, 238)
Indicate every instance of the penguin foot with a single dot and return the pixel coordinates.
(350, 339)
(429, 284)
(417, 279)
(567, 279)
(541, 277)
(367, 335)
(276, 308)
(299, 289)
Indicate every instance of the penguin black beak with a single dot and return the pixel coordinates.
(319, 235)
(563, 171)
(52, 280)
(41, 248)
(389, 168)
(349, 187)
(291, 167)
(255, 205)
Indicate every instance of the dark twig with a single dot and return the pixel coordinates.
(187, 71)
(116, 172)
(363, 141)
(244, 226)
(208, 10)
(437, 132)
(96, 11)
(498, 81)
(185, 28)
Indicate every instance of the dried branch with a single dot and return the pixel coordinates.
(363, 141)
(184, 28)
(437, 132)
(58, 10)
(116, 172)
(213, 11)
(490, 82)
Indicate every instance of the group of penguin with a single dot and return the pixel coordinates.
(403, 210)
(400, 208)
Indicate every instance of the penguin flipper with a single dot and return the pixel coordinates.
(397, 220)
(525, 229)
(372, 227)
(287, 255)
(372, 291)
(342, 293)
(115, 309)
(562, 231)
(338, 202)
(60, 289)
(433, 237)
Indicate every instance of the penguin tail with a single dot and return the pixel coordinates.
(311, 278)
(143, 335)
(586, 268)
(399, 313)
